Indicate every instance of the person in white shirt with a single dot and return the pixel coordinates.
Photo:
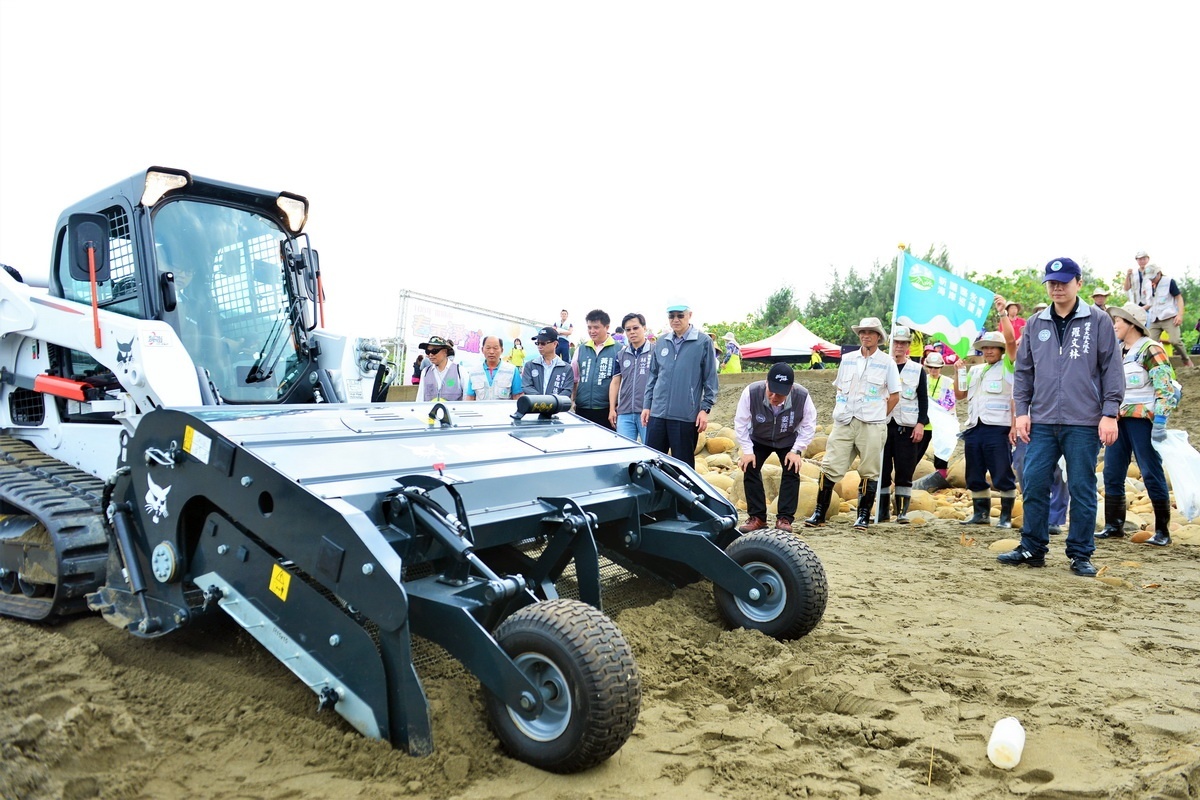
(1135, 280)
(1164, 310)
(868, 388)
(494, 379)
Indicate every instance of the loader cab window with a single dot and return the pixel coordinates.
(121, 292)
(232, 309)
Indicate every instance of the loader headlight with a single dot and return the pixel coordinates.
(159, 181)
(295, 209)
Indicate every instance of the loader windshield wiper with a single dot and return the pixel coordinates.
(264, 365)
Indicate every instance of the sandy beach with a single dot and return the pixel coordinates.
(926, 642)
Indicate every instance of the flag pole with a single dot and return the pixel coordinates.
(895, 308)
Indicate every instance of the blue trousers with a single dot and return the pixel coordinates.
(1079, 445)
(1133, 439)
(1058, 486)
(630, 426)
(987, 451)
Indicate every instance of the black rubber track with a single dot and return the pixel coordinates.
(66, 501)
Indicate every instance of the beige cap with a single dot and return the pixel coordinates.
(991, 339)
(1131, 313)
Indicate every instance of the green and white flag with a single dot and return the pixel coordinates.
(940, 304)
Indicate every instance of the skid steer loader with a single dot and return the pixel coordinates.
(180, 438)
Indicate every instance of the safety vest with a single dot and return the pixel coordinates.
(1139, 386)
(862, 392)
(776, 430)
(596, 370)
(908, 408)
(442, 386)
(635, 372)
(1162, 304)
(989, 395)
(500, 385)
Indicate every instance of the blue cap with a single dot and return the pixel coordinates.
(679, 307)
(1063, 270)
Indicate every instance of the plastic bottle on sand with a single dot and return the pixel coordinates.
(1007, 742)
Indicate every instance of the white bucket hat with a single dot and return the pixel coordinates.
(869, 324)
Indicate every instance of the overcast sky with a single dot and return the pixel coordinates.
(523, 157)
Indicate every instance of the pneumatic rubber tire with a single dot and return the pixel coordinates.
(794, 579)
(589, 682)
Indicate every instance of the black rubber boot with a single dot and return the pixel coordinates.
(885, 510)
(1114, 518)
(824, 492)
(983, 512)
(1006, 507)
(866, 503)
(1162, 523)
(902, 501)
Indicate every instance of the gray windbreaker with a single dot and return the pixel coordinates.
(683, 380)
(1073, 383)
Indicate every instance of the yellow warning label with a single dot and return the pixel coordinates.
(281, 579)
(196, 444)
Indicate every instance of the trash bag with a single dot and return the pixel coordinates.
(945, 431)
(1182, 463)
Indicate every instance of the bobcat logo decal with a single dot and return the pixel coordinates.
(124, 352)
(156, 501)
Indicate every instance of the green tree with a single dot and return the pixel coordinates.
(779, 310)
(852, 296)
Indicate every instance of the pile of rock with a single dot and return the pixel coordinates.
(717, 455)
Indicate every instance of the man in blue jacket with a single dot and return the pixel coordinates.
(682, 387)
(1067, 392)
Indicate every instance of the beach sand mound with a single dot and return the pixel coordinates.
(926, 642)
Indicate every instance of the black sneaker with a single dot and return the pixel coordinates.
(1083, 567)
(1015, 558)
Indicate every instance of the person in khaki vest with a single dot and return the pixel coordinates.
(868, 388)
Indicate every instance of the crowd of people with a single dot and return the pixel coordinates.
(1049, 388)
(658, 392)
